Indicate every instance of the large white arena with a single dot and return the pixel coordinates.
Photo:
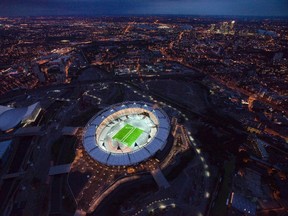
(126, 133)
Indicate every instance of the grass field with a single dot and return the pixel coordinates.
(128, 135)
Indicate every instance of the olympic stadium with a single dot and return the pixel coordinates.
(126, 133)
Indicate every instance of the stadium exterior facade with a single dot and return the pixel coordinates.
(126, 133)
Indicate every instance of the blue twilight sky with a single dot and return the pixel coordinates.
(126, 7)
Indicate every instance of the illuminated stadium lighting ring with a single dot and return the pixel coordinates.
(126, 133)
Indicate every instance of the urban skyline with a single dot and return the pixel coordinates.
(140, 115)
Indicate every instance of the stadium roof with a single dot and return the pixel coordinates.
(11, 117)
(158, 142)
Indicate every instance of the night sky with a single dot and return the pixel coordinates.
(126, 7)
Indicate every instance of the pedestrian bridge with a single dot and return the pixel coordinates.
(60, 169)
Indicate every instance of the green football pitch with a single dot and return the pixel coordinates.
(128, 134)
